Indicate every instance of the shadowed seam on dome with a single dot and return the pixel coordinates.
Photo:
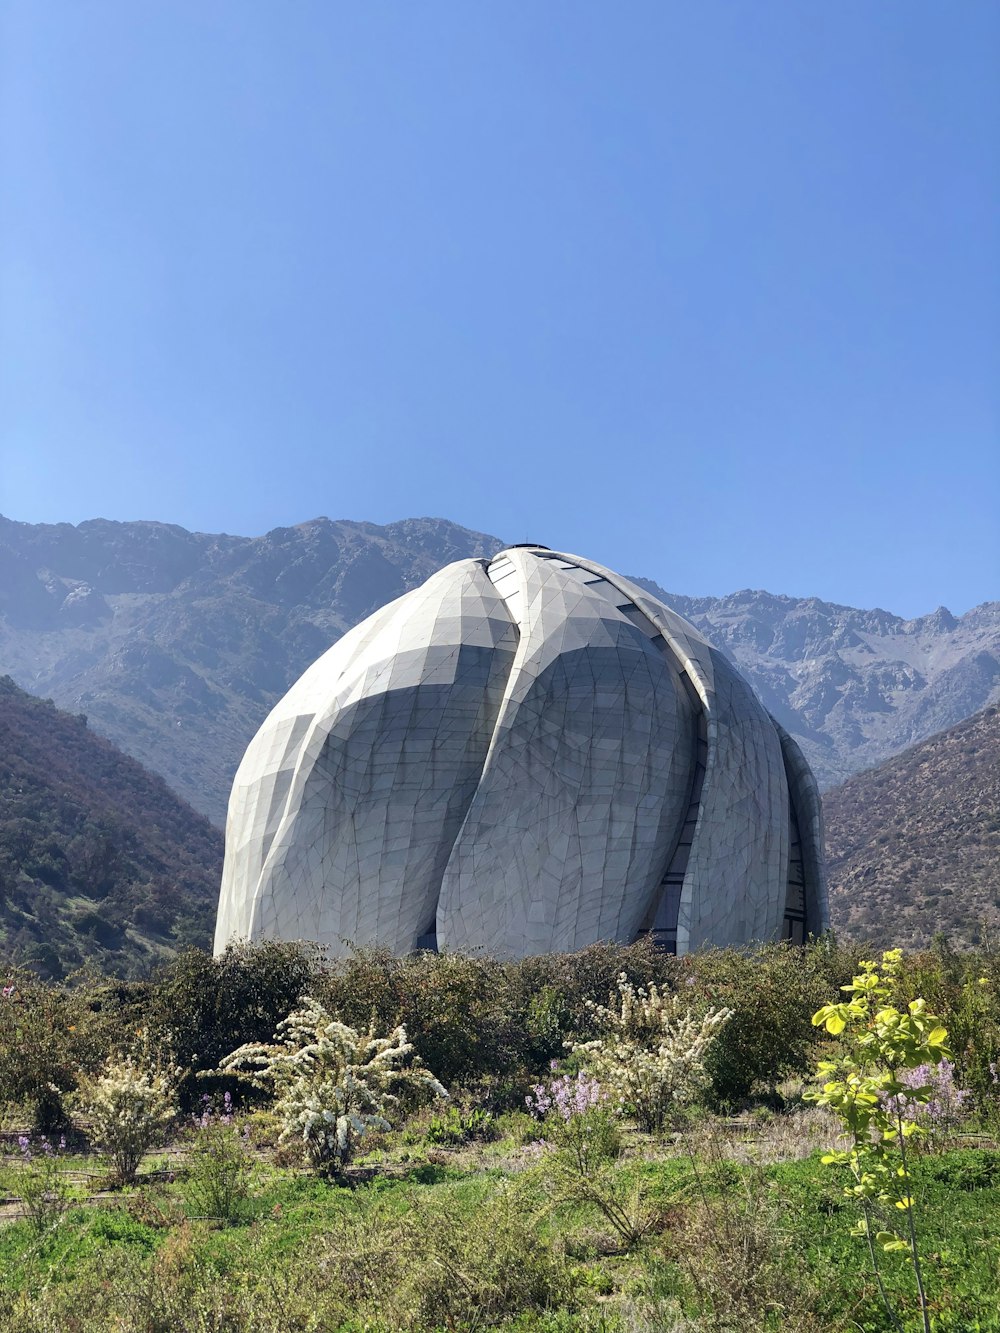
(805, 801)
(521, 756)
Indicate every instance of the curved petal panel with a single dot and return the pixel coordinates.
(386, 770)
(263, 780)
(737, 866)
(586, 778)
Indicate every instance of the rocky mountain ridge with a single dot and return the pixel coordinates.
(853, 686)
(176, 644)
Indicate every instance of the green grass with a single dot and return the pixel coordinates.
(959, 1207)
(764, 1247)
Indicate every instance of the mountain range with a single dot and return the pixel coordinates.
(853, 686)
(176, 644)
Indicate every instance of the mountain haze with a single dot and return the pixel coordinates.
(177, 644)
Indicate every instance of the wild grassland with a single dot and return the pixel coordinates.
(423, 1237)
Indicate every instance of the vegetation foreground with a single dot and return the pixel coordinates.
(615, 1140)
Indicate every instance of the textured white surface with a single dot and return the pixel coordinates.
(523, 755)
(586, 778)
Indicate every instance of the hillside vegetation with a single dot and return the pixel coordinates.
(99, 861)
(914, 845)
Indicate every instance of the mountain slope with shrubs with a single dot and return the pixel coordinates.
(914, 845)
(99, 861)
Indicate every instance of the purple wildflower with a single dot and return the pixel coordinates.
(566, 1096)
(946, 1104)
(208, 1115)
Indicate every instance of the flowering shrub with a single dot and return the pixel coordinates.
(130, 1106)
(461, 1012)
(651, 1055)
(39, 1181)
(207, 1115)
(579, 1123)
(565, 1096)
(201, 1007)
(941, 1105)
(331, 1084)
(220, 1164)
(581, 1146)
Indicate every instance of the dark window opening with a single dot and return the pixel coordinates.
(661, 923)
(429, 939)
(793, 927)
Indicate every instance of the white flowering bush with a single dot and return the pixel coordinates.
(331, 1084)
(650, 1056)
(130, 1106)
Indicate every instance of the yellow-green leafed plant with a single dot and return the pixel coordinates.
(863, 1087)
(650, 1056)
(130, 1106)
(331, 1084)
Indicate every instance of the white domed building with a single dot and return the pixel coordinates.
(524, 755)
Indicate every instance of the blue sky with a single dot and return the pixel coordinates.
(709, 292)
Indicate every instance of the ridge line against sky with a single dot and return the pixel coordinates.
(707, 291)
(642, 577)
